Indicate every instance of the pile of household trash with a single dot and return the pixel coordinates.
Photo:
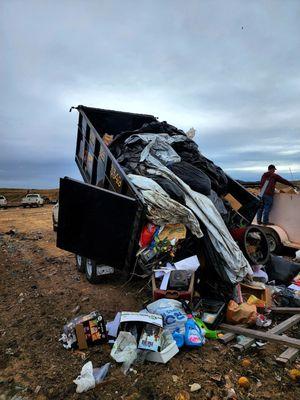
(207, 264)
(187, 213)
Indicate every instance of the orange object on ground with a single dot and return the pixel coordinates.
(241, 313)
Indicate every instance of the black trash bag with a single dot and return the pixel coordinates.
(117, 146)
(214, 282)
(189, 152)
(286, 297)
(219, 204)
(281, 270)
(159, 127)
(170, 187)
(192, 176)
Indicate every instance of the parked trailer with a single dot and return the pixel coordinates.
(285, 215)
(100, 219)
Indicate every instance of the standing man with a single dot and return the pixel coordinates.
(267, 189)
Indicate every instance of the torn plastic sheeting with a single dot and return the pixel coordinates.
(162, 210)
(144, 183)
(218, 203)
(161, 150)
(281, 270)
(237, 267)
(150, 137)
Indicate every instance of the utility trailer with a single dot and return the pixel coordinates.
(100, 219)
(285, 217)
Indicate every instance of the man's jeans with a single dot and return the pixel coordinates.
(265, 208)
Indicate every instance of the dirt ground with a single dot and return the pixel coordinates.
(41, 290)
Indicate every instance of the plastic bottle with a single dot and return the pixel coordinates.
(178, 337)
(193, 334)
(208, 333)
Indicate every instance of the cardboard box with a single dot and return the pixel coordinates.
(85, 330)
(164, 355)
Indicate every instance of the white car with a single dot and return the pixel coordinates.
(32, 200)
(55, 217)
(3, 202)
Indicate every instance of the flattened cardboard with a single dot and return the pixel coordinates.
(81, 339)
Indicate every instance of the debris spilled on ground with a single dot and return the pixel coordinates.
(216, 316)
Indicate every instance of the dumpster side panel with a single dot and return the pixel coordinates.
(95, 223)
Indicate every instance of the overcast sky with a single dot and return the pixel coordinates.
(230, 69)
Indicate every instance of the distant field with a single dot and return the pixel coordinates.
(15, 195)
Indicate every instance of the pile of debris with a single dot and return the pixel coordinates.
(207, 263)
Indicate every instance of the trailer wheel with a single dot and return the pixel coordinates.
(80, 261)
(91, 271)
(274, 242)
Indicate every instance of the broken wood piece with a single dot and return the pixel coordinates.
(246, 344)
(287, 356)
(285, 325)
(270, 337)
(286, 310)
(228, 337)
(280, 328)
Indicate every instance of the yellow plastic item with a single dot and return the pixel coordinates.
(256, 301)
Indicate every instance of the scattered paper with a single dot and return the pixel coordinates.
(165, 281)
(188, 264)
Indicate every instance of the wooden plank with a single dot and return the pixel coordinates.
(246, 344)
(287, 356)
(285, 325)
(280, 328)
(270, 337)
(286, 310)
(228, 337)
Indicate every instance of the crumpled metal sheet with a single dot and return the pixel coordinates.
(163, 210)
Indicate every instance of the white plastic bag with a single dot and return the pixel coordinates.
(125, 350)
(100, 373)
(85, 381)
(90, 377)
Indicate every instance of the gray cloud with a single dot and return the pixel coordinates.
(230, 69)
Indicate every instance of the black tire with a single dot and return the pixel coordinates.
(262, 252)
(90, 271)
(274, 242)
(80, 261)
(24, 206)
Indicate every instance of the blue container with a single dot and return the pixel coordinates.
(193, 334)
(178, 337)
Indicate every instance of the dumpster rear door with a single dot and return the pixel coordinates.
(96, 223)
